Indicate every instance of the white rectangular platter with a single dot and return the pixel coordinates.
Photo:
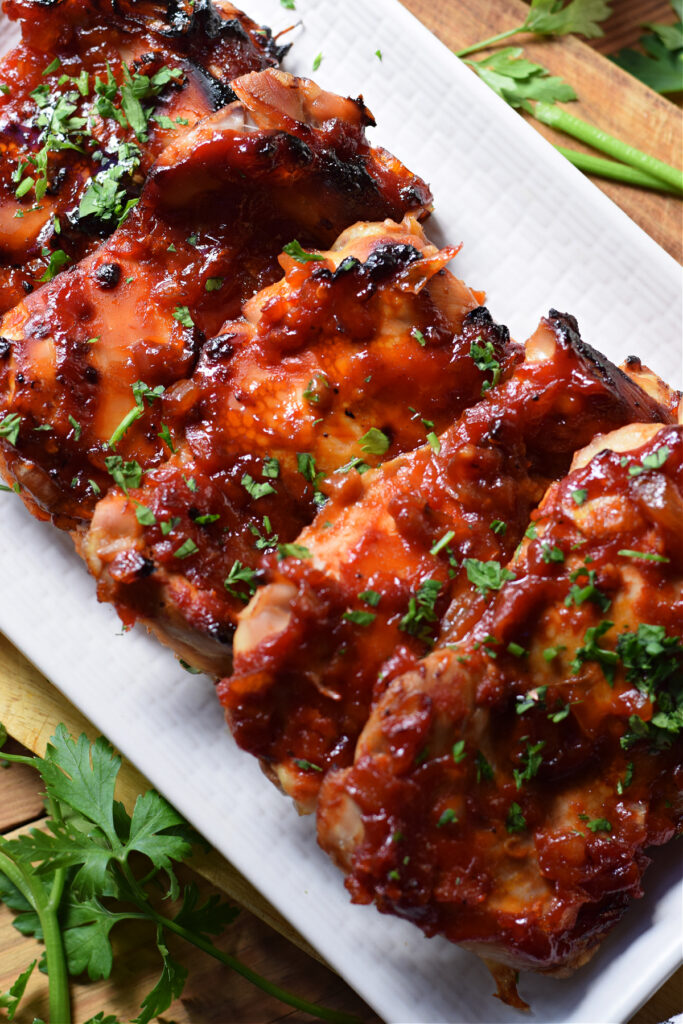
(537, 234)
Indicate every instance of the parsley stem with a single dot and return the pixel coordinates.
(321, 1012)
(476, 47)
(34, 892)
(591, 164)
(555, 117)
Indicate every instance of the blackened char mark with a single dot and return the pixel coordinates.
(614, 380)
(384, 262)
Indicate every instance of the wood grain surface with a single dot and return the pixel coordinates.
(31, 707)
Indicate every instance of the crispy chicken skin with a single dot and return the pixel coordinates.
(205, 45)
(285, 161)
(505, 790)
(276, 417)
(390, 551)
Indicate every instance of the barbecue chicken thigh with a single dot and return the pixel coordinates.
(292, 403)
(94, 92)
(85, 358)
(391, 559)
(505, 790)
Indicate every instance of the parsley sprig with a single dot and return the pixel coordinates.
(553, 18)
(661, 65)
(73, 883)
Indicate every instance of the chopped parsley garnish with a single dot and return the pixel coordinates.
(293, 551)
(458, 751)
(271, 468)
(169, 525)
(182, 315)
(419, 337)
(186, 549)
(578, 595)
(125, 474)
(442, 542)
(141, 391)
(654, 664)
(313, 388)
(289, 5)
(516, 649)
(360, 618)
(375, 442)
(305, 463)
(559, 716)
(58, 259)
(144, 515)
(165, 436)
(448, 817)
(213, 284)
(653, 461)
(357, 464)
(484, 768)
(378, 54)
(551, 554)
(294, 250)
(533, 761)
(530, 532)
(77, 427)
(371, 597)
(9, 427)
(421, 614)
(591, 651)
(190, 483)
(550, 653)
(648, 556)
(579, 495)
(206, 518)
(599, 825)
(484, 356)
(486, 576)
(306, 766)
(515, 821)
(624, 783)
(498, 527)
(255, 489)
(533, 699)
(241, 574)
(434, 442)
(317, 61)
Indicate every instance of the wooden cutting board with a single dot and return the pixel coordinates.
(30, 707)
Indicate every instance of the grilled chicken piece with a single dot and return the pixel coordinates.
(505, 790)
(96, 89)
(291, 403)
(393, 556)
(285, 161)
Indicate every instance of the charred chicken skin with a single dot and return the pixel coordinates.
(505, 790)
(84, 359)
(389, 560)
(287, 406)
(94, 92)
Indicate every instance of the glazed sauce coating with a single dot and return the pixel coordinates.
(505, 791)
(64, 103)
(390, 556)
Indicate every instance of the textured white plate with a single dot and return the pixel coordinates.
(537, 234)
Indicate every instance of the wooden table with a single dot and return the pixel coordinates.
(30, 707)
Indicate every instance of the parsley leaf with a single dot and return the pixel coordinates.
(515, 821)
(655, 460)
(517, 80)
(360, 618)
(592, 651)
(293, 551)
(486, 576)
(375, 442)
(254, 489)
(533, 761)
(484, 358)
(125, 474)
(654, 664)
(548, 17)
(182, 315)
(421, 612)
(238, 574)
(661, 66)
(9, 427)
(294, 250)
(10, 1000)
